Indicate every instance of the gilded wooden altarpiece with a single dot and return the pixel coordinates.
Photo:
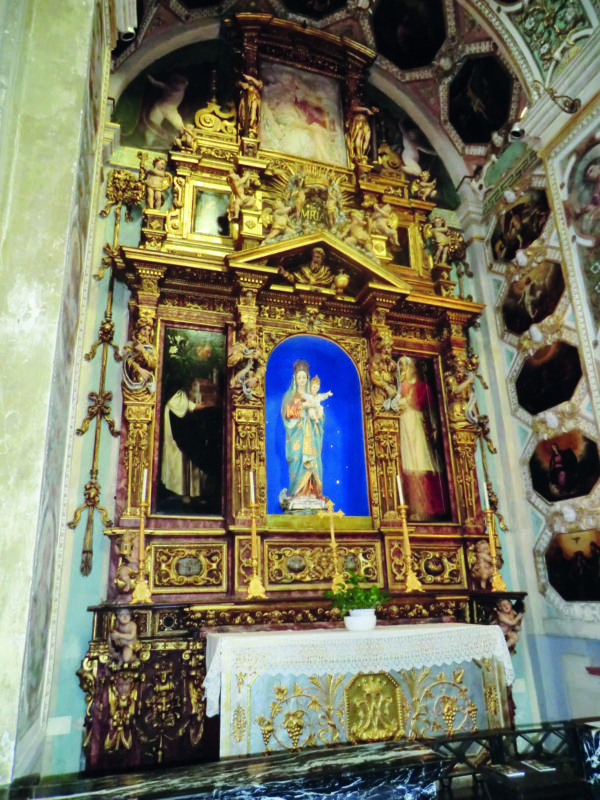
(255, 267)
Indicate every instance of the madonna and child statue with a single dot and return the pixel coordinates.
(304, 420)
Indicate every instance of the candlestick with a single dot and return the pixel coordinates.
(141, 591)
(413, 584)
(255, 585)
(498, 584)
(252, 493)
(400, 492)
(337, 581)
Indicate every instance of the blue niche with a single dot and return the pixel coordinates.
(344, 478)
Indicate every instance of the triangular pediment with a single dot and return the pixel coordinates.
(290, 255)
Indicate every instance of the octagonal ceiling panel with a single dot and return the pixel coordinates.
(548, 377)
(533, 296)
(565, 466)
(479, 99)
(573, 564)
(409, 33)
(520, 225)
(314, 9)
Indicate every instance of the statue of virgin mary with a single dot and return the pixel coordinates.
(303, 445)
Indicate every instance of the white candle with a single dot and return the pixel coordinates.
(252, 494)
(486, 499)
(400, 493)
(145, 485)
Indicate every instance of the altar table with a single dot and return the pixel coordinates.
(283, 690)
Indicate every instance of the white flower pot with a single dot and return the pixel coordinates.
(361, 619)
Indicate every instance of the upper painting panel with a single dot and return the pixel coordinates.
(301, 114)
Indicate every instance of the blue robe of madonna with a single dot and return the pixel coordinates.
(303, 444)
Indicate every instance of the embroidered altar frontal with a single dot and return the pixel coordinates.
(290, 689)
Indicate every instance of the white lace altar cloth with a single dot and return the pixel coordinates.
(338, 651)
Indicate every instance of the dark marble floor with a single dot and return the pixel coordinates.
(380, 771)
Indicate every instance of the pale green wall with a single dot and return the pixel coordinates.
(44, 65)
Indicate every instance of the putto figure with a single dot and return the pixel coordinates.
(156, 179)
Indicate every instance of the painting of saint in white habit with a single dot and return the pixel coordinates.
(301, 114)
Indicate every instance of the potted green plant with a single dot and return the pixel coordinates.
(357, 603)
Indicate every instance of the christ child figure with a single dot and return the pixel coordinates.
(312, 400)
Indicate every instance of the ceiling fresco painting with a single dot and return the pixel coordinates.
(532, 296)
(410, 33)
(573, 564)
(480, 97)
(565, 466)
(552, 29)
(520, 225)
(398, 134)
(583, 213)
(160, 100)
(548, 377)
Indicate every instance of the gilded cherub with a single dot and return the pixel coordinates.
(448, 245)
(481, 564)
(281, 224)
(122, 640)
(356, 232)
(240, 197)
(423, 186)
(509, 621)
(187, 137)
(381, 221)
(156, 179)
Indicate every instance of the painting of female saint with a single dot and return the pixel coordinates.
(301, 114)
(565, 466)
(191, 433)
(421, 451)
(315, 440)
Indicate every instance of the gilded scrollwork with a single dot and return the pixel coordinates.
(123, 697)
(440, 566)
(193, 566)
(312, 563)
(123, 189)
(213, 119)
(291, 710)
(439, 703)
